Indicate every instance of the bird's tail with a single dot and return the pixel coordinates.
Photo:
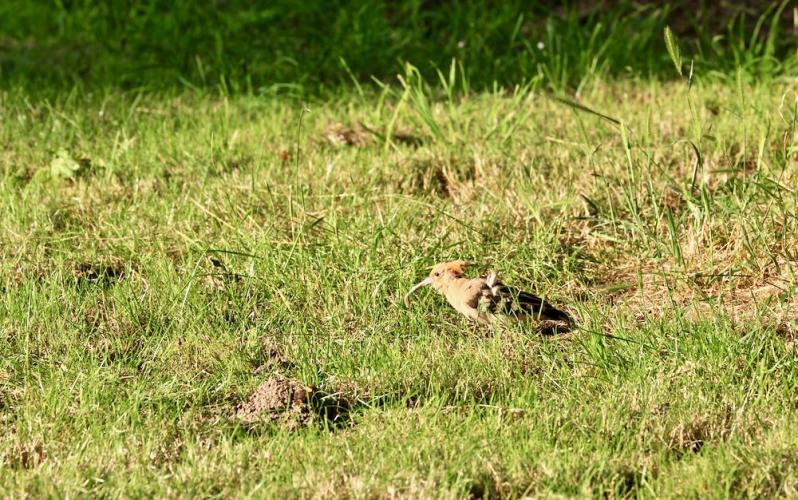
(532, 304)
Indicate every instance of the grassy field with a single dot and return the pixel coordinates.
(209, 218)
(173, 263)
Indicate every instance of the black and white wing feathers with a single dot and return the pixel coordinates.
(498, 298)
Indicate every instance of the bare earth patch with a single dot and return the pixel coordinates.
(99, 272)
(280, 400)
(293, 405)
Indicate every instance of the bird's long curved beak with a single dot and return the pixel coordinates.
(426, 282)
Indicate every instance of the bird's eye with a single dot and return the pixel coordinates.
(437, 274)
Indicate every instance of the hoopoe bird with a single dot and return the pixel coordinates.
(485, 299)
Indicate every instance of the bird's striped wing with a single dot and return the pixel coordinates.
(498, 298)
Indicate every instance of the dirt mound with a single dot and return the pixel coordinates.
(279, 400)
(291, 404)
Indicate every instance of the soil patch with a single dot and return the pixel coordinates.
(293, 405)
(99, 272)
(278, 400)
(348, 136)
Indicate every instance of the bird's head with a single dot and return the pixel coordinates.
(440, 276)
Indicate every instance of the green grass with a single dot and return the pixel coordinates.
(165, 254)
(314, 47)
(195, 200)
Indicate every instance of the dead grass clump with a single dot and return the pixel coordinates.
(26, 456)
(430, 177)
(652, 289)
(104, 272)
(626, 477)
(490, 483)
(521, 357)
(688, 432)
(114, 336)
(453, 177)
(219, 277)
(271, 357)
(35, 271)
(691, 436)
(361, 135)
(340, 136)
(167, 450)
(63, 217)
(786, 330)
(102, 315)
(407, 138)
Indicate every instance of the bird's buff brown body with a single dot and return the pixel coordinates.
(482, 299)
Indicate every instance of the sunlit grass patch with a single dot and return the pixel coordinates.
(206, 246)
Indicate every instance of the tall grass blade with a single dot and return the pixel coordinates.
(673, 49)
(581, 107)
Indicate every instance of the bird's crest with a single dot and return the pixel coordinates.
(455, 267)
